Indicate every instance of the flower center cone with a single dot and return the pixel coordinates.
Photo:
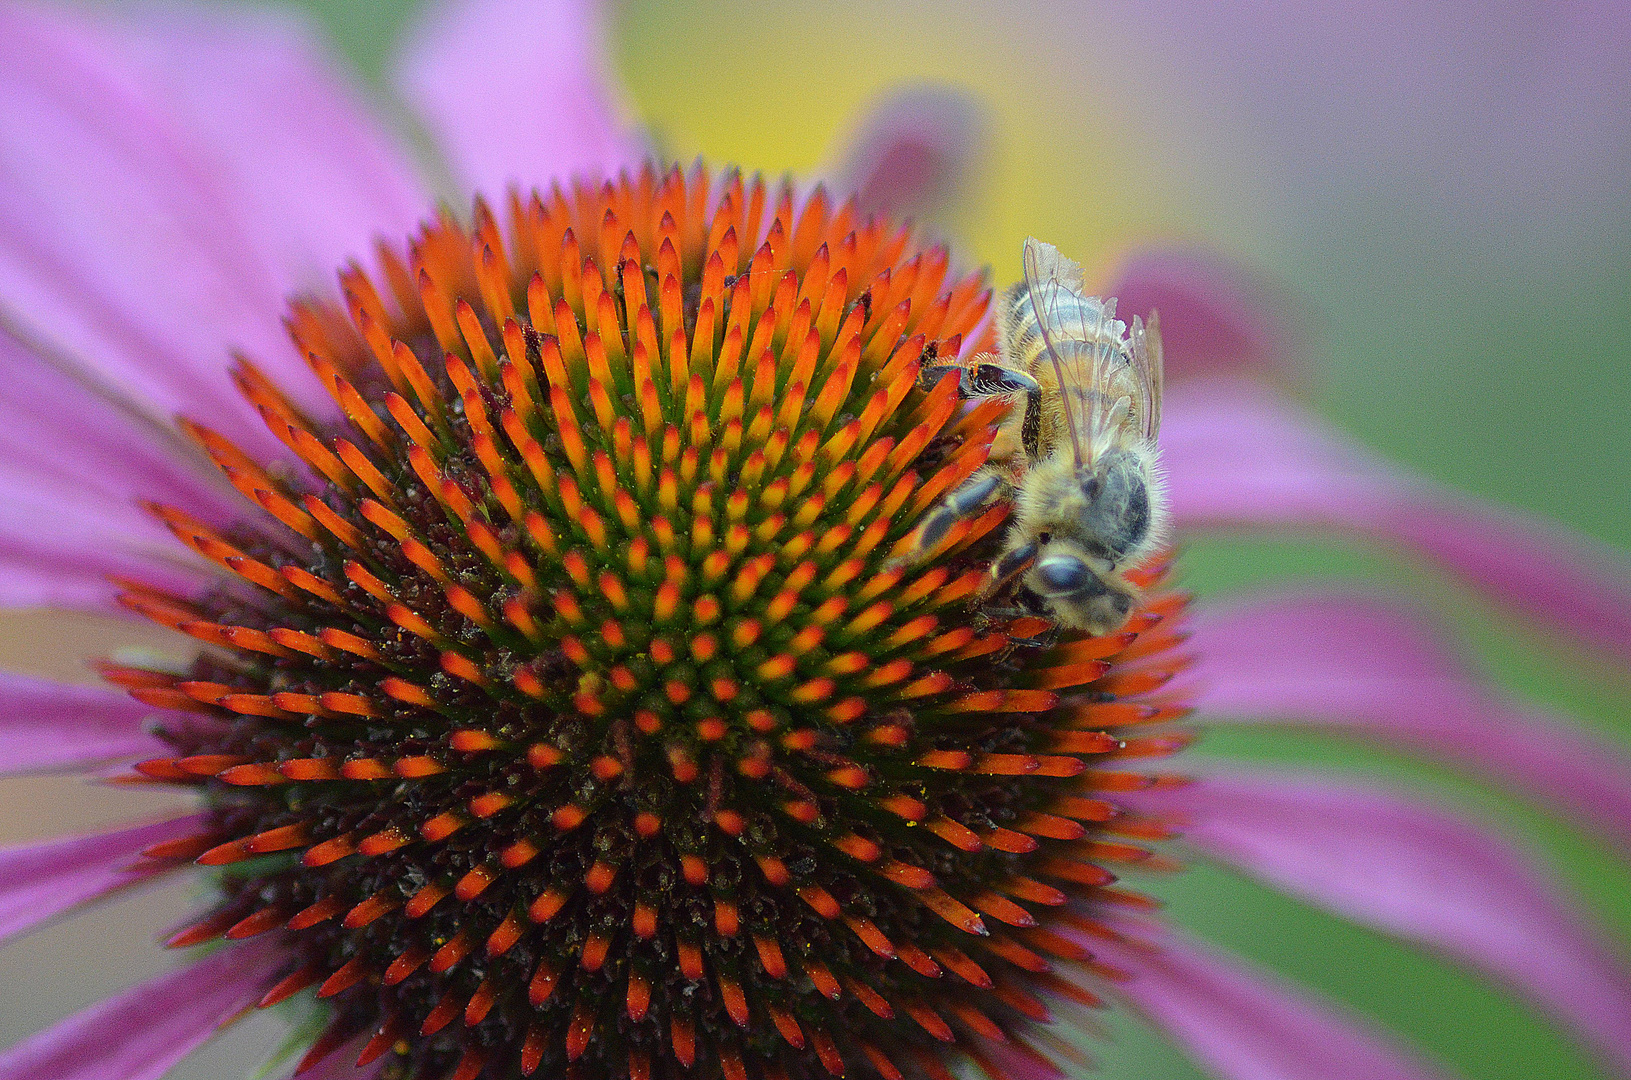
(570, 709)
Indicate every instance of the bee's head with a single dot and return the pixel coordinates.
(1074, 592)
(1062, 574)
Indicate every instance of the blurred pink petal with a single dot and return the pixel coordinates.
(342, 1063)
(1243, 1024)
(68, 519)
(141, 1033)
(1015, 1065)
(59, 550)
(516, 92)
(312, 172)
(62, 434)
(914, 151)
(1216, 317)
(1499, 126)
(1376, 670)
(1236, 455)
(39, 881)
(46, 725)
(143, 285)
(1421, 872)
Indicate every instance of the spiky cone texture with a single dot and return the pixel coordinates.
(561, 713)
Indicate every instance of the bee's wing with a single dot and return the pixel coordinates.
(1147, 371)
(1082, 344)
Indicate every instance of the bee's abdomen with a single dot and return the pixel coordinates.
(1084, 313)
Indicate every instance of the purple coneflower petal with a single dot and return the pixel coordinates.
(1238, 456)
(69, 519)
(1216, 318)
(342, 1063)
(1242, 1024)
(1421, 872)
(39, 881)
(914, 150)
(1369, 668)
(314, 176)
(141, 1033)
(142, 236)
(60, 435)
(49, 725)
(515, 91)
(62, 555)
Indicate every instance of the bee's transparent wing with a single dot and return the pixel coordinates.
(1148, 371)
(1083, 344)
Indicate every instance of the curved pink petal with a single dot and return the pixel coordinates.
(41, 569)
(141, 1033)
(515, 92)
(164, 184)
(1236, 455)
(342, 1064)
(1242, 1024)
(45, 725)
(1499, 129)
(39, 881)
(1217, 318)
(1376, 670)
(60, 554)
(315, 176)
(72, 466)
(1418, 871)
(914, 151)
(58, 432)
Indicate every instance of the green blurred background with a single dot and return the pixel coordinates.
(1477, 338)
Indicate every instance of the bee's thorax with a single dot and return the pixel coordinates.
(1104, 508)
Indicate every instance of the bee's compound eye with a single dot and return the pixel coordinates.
(1060, 575)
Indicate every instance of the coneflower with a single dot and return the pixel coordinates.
(564, 690)
(573, 713)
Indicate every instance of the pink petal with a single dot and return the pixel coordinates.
(144, 285)
(1376, 670)
(516, 92)
(1241, 1024)
(46, 725)
(39, 881)
(72, 466)
(314, 174)
(342, 1063)
(41, 569)
(1419, 871)
(1216, 317)
(55, 553)
(1498, 129)
(915, 151)
(58, 432)
(1236, 455)
(141, 1033)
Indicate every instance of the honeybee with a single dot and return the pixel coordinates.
(1078, 459)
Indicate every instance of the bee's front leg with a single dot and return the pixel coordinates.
(1014, 562)
(980, 378)
(967, 499)
(929, 376)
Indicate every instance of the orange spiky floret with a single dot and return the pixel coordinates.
(571, 686)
